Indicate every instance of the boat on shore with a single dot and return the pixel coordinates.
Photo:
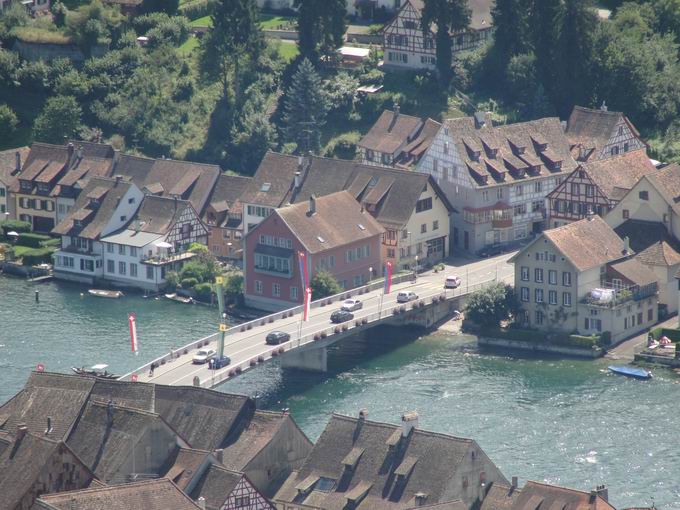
(179, 299)
(633, 372)
(96, 371)
(111, 294)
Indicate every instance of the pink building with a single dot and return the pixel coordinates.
(334, 232)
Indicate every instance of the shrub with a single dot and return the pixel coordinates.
(189, 283)
(196, 9)
(34, 257)
(490, 305)
(32, 240)
(203, 291)
(15, 226)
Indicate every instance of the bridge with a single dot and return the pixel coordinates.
(245, 343)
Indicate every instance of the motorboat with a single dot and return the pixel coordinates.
(111, 294)
(179, 299)
(96, 371)
(628, 371)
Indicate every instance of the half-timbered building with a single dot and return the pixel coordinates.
(407, 47)
(599, 134)
(596, 187)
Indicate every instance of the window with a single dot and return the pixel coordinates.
(520, 209)
(538, 275)
(293, 293)
(404, 234)
(566, 298)
(536, 206)
(133, 270)
(525, 274)
(109, 248)
(423, 228)
(644, 195)
(590, 190)
(424, 205)
(519, 189)
(552, 297)
(566, 279)
(123, 218)
(391, 253)
(435, 225)
(499, 193)
(133, 251)
(650, 314)
(538, 185)
(625, 147)
(121, 249)
(258, 287)
(626, 214)
(110, 266)
(539, 317)
(614, 151)
(149, 272)
(276, 290)
(131, 200)
(524, 294)
(242, 501)
(122, 268)
(552, 277)
(538, 295)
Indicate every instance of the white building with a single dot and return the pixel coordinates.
(354, 7)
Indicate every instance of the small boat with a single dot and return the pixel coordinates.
(112, 294)
(96, 371)
(179, 299)
(634, 372)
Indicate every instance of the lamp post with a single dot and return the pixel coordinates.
(229, 245)
(415, 273)
(370, 274)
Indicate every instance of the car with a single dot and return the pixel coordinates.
(217, 363)
(452, 282)
(277, 337)
(203, 356)
(339, 316)
(351, 305)
(406, 295)
(491, 250)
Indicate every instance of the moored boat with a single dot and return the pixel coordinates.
(112, 294)
(179, 299)
(96, 371)
(634, 372)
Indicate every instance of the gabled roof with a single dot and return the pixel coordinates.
(500, 497)
(8, 166)
(651, 241)
(157, 215)
(635, 272)
(425, 453)
(481, 12)
(321, 230)
(215, 486)
(228, 190)
(667, 182)
(273, 180)
(415, 149)
(617, 175)
(592, 128)
(44, 159)
(185, 466)
(90, 160)
(535, 494)
(159, 494)
(390, 132)
(587, 243)
(97, 203)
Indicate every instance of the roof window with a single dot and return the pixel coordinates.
(361, 227)
(320, 239)
(266, 186)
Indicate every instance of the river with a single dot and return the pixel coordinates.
(567, 422)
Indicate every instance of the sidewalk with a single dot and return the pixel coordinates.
(626, 349)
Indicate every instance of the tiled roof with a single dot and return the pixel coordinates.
(185, 466)
(667, 181)
(651, 241)
(157, 214)
(480, 15)
(8, 166)
(322, 231)
(228, 190)
(591, 128)
(148, 495)
(507, 153)
(377, 466)
(535, 494)
(273, 180)
(215, 486)
(616, 176)
(124, 394)
(586, 243)
(109, 193)
(40, 157)
(415, 149)
(661, 253)
(500, 497)
(634, 271)
(390, 132)
(90, 160)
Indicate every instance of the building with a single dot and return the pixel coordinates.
(334, 232)
(498, 177)
(159, 494)
(32, 464)
(224, 217)
(599, 134)
(362, 464)
(154, 241)
(582, 277)
(104, 206)
(649, 214)
(10, 166)
(596, 187)
(363, 8)
(410, 206)
(542, 495)
(406, 47)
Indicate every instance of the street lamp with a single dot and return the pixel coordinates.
(370, 274)
(415, 273)
(229, 245)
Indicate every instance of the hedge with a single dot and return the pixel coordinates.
(34, 257)
(15, 226)
(673, 334)
(189, 283)
(32, 240)
(196, 9)
(203, 291)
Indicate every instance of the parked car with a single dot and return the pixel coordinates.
(339, 316)
(452, 282)
(406, 295)
(351, 305)
(203, 355)
(277, 337)
(216, 363)
(491, 250)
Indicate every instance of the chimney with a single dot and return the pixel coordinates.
(79, 152)
(514, 483)
(109, 413)
(17, 164)
(201, 503)
(396, 110)
(71, 149)
(219, 455)
(563, 123)
(626, 245)
(48, 430)
(603, 106)
(480, 120)
(593, 496)
(409, 421)
(363, 414)
(394, 118)
(312, 205)
(22, 429)
(603, 492)
(298, 181)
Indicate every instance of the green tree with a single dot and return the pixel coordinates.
(252, 136)
(544, 19)
(305, 108)
(491, 305)
(59, 13)
(233, 286)
(321, 27)
(511, 32)
(8, 121)
(166, 6)
(59, 118)
(324, 284)
(449, 16)
(9, 68)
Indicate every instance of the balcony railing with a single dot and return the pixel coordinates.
(621, 296)
(167, 259)
(272, 270)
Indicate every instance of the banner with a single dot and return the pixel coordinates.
(304, 275)
(132, 320)
(388, 278)
(308, 303)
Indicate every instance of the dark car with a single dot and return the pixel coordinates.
(491, 251)
(339, 316)
(277, 337)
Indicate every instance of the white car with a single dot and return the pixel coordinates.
(351, 305)
(406, 295)
(203, 356)
(452, 282)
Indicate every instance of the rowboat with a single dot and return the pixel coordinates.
(179, 299)
(96, 371)
(634, 372)
(112, 294)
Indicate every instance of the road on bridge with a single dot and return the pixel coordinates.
(242, 346)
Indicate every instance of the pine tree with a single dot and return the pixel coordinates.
(321, 27)
(305, 108)
(449, 16)
(510, 22)
(544, 20)
(308, 28)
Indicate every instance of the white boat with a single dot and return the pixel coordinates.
(96, 371)
(179, 299)
(113, 294)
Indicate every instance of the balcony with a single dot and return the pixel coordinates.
(609, 296)
(162, 260)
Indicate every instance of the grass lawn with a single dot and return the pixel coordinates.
(190, 45)
(288, 51)
(205, 21)
(272, 21)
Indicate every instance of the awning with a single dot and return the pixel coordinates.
(162, 244)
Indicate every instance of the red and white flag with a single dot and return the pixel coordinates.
(308, 303)
(132, 321)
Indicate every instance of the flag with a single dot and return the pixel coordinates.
(132, 321)
(304, 275)
(388, 278)
(308, 303)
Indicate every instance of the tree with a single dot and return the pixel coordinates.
(511, 32)
(324, 284)
(8, 121)
(305, 108)
(491, 305)
(59, 13)
(59, 118)
(321, 27)
(252, 136)
(544, 20)
(449, 16)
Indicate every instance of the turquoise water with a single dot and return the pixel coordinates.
(568, 422)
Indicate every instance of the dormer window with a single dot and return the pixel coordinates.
(77, 223)
(420, 498)
(25, 186)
